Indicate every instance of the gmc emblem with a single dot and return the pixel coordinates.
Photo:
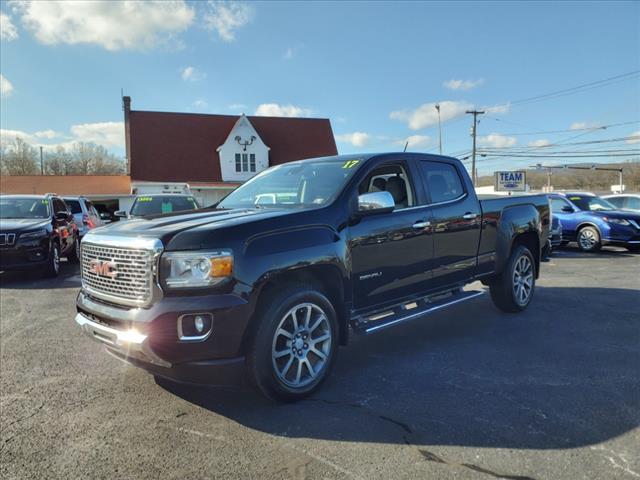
(103, 269)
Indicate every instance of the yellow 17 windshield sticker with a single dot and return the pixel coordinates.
(350, 163)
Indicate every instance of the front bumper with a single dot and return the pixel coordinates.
(135, 348)
(23, 257)
(148, 337)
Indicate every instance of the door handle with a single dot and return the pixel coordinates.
(469, 216)
(421, 224)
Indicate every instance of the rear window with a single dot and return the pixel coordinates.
(74, 206)
(153, 205)
(443, 181)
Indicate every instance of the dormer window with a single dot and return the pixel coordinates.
(245, 162)
(243, 154)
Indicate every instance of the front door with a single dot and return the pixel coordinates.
(391, 252)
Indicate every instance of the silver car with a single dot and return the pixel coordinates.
(84, 213)
(625, 201)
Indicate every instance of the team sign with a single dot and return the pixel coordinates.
(511, 181)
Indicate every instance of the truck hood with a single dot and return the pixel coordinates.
(16, 225)
(165, 227)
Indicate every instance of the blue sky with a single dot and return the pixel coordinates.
(375, 69)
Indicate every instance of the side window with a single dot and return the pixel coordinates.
(557, 204)
(617, 201)
(632, 203)
(442, 181)
(393, 179)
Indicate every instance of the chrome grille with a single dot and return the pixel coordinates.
(133, 281)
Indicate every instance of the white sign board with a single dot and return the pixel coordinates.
(511, 181)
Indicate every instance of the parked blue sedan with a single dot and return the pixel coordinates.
(592, 222)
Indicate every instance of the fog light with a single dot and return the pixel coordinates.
(198, 322)
(194, 327)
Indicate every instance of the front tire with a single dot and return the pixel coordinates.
(52, 268)
(74, 257)
(589, 239)
(513, 290)
(294, 345)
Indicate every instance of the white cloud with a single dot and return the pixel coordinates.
(415, 141)
(496, 140)
(463, 84)
(357, 139)
(200, 104)
(583, 125)
(107, 134)
(192, 74)
(426, 114)
(6, 87)
(8, 30)
(543, 142)
(49, 134)
(225, 18)
(275, 110)
(111, 25)
(502, 108)
(289, 53)
(633, 138)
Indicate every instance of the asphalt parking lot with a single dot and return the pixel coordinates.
(466, 393)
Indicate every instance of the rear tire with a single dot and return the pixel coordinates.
(52, 268)
(513, 290)
(589, 239)
(295, 343)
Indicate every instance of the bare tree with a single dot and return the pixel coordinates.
(58, 162)
(19, 158)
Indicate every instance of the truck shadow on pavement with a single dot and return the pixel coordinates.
(562, 374)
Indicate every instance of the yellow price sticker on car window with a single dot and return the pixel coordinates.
(574, 198)
(145, 199)
(45, 202)
(350, 163)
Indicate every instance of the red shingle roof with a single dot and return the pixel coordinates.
(181, 147)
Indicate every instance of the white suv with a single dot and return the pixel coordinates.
(85, 214)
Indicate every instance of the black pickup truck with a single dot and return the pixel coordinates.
(280, 273)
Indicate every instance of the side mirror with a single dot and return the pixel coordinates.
(121, 214)
(375, 202)
(567, 209)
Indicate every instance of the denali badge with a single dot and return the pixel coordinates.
(103, 269)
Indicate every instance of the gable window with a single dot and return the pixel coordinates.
(245, 162)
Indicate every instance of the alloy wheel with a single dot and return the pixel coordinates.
(523, 280)
(301, 345)
(587, 239)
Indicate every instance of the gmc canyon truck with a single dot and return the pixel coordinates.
(270, 281)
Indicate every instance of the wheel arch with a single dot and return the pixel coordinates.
(327, 278)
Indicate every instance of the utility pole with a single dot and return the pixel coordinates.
(439, 127)
(41, 162)
(475, 114)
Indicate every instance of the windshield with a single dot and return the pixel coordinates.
(306, 184)
(155, 204)
(591, 203)
(24, 207)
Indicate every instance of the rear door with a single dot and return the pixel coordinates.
(456, 219)
(391, 252)
(63, 225)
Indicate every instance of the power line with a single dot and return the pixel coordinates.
(549, 132)
(578, 88)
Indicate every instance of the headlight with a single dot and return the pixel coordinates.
(196, 269)
(616, 221)
(33, 235)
